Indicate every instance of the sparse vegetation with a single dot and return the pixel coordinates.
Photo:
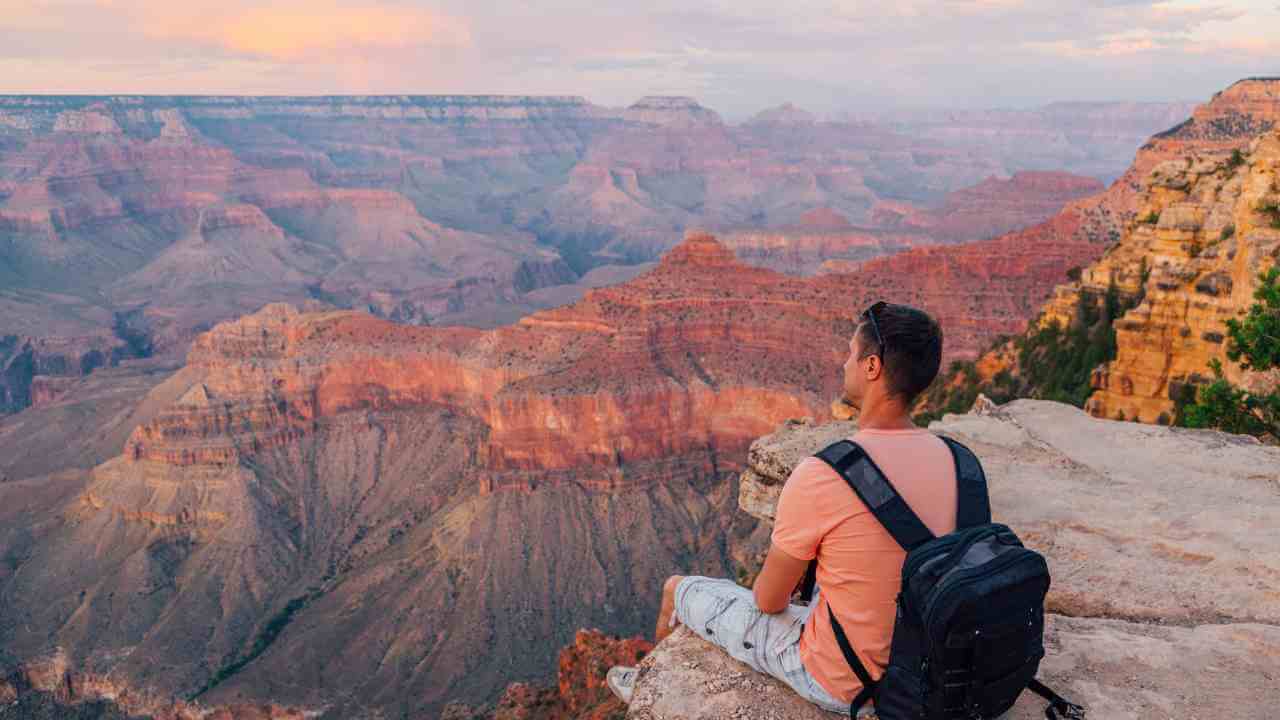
(1272, 210)
(268, 635)
(1151, 218)
(1227, 233)
(1055, 362)
(1254, 342)
(1236, 160)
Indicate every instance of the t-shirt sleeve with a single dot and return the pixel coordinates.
(797, 530)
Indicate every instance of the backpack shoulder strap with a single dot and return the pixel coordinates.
(876, 492)
(973, 504)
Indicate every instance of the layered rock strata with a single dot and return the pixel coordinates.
(1099, 138)
(439, 505)
(1153, 612)
(299, 456)
(989, 209)
(1112, 220)
(421, 209)
(1203, 236)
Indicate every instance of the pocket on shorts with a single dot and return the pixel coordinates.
(797, 629)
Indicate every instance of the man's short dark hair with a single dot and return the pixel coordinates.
(913, 348)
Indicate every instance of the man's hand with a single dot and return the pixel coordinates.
(778, 580)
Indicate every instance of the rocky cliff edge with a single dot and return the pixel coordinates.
(1163, 543)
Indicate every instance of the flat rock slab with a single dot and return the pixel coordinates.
(688, 678)
(1122, 670)
(1118, 670)
(1139, 522)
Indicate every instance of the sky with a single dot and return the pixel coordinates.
(735, 56)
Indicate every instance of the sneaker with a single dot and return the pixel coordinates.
(621, 679)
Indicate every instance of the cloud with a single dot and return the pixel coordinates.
(735, 55)
(293, 30)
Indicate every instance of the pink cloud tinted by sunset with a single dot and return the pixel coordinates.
(737, 55)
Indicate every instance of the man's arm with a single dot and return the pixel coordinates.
(778, 580)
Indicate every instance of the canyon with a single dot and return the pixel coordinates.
(422, 386)
(1191, 251)
(1187, 274)
(317, 490)
(439, 504)
(129, 225)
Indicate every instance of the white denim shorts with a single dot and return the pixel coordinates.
(725, 614)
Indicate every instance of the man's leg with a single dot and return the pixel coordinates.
(725, 614)
(667, 609)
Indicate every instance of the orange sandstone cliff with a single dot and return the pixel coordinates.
(1194, 257)
(1110, 236)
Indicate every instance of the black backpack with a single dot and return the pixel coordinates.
(969, 632)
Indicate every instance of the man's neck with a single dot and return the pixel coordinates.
(884, 414)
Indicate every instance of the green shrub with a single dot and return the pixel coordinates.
(1227, 232)
(1272, 210)
(1055, 363)
(1254, 342)
(1151, 218)
(1237, 159)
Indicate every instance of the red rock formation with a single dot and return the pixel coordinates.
(983, 211)
(442, 209)
(560, 390)
(1229, 121)
(979, 290)
(302, 450)
(34, 370)
(824, 219)
(992, 207)
(580, 692)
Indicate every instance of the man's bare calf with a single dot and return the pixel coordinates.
(665, 626)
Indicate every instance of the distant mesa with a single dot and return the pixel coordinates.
(672, 111)
(783, 115)
(824, 219)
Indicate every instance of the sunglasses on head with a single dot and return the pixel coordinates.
(870, 313)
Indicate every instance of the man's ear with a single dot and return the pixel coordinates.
(875, 369)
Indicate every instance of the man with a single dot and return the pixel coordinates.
(894, 355)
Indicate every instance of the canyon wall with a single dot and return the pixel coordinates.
(1191, 251)
(1097, 138)
(984, 211)
(1194, 257)
(439, 506)
(1147, 233)
(443, 505)
(181, 212)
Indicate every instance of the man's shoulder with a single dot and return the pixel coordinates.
(812, 469)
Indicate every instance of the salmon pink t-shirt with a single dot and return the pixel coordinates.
(859, 563)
